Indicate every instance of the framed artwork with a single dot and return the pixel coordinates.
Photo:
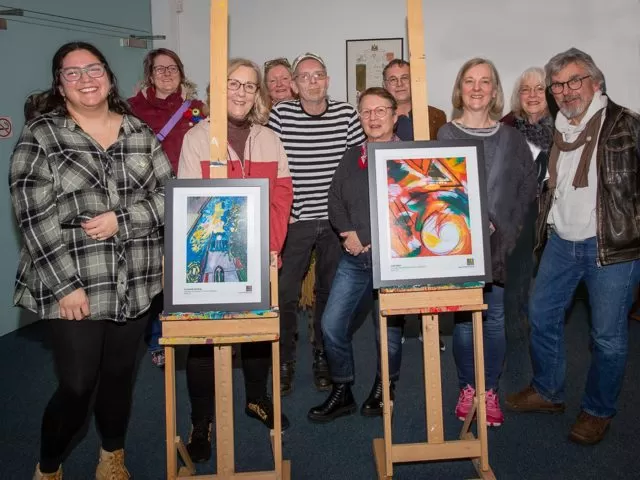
(216, 245)
(365, 61)
(429, 221)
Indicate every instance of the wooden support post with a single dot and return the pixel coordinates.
(478, 356)
(224, 410)
(418, 69)
(170, 410)
(218, 88)
(386, 394)
(432, 378)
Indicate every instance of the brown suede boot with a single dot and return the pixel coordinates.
(111, 466)
(38, 475)
(589, 430)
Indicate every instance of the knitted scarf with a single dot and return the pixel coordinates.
(588, 137)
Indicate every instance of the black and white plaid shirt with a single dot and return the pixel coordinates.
(59, 178)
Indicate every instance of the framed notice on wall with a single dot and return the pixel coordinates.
(365, 61)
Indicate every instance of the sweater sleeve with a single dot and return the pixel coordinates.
(141, 218)
(527, 180)
(337, 203)
(355, 135)
(274, 121)
(31, 184)
(282, 198)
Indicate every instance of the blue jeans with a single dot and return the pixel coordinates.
(610, 287)
(495, 343)
(352, 283)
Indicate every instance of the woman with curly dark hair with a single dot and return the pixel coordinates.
(87, 186)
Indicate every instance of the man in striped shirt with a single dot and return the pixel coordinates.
(315, 131)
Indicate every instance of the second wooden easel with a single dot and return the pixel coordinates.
(429, 302)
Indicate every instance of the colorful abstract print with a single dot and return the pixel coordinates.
(428, 207)
(217, 240)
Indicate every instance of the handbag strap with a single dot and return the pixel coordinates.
(173, 120)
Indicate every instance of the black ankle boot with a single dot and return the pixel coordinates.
(340, 402)
(372, 406)
(287, 370)
(262, 409)
(199, 444)
(321, 376)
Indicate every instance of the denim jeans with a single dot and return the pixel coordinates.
(302, 237)
(353, 282)
(563, 265)
(493, 335)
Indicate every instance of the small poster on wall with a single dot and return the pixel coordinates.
(365, 61)
(6, 128)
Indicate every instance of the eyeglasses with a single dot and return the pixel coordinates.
(73, 74)
(378, 112)
(537, 90)
(277, 61)
(306, 77)
(573, 84)
(162, 69)
(395, 81)
(249, 87)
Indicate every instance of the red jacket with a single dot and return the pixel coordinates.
(264, 158)
(156, 112)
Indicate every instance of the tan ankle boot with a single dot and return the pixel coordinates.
(38, 475)
(111, 466)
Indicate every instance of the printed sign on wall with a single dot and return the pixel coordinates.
(6, 128)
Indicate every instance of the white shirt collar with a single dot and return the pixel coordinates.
(598, 102)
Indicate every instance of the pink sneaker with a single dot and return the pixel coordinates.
(494, 413)
(465, 402)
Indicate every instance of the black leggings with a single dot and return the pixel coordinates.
(256, 361)
(89, 353)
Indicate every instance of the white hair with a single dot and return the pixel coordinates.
(516, 105)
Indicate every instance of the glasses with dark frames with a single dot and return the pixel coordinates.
(249, 87)
(162, 69)
(573, 84)
(73, 74)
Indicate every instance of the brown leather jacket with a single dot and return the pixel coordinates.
(618, 193)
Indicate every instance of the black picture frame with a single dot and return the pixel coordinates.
(184, 290)
(393, 269)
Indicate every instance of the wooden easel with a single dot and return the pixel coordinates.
(221, 334)
(222, 329)
(428, 302)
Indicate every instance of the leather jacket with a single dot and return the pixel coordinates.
(618, 192)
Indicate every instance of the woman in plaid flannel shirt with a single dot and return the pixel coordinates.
(87, 186)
